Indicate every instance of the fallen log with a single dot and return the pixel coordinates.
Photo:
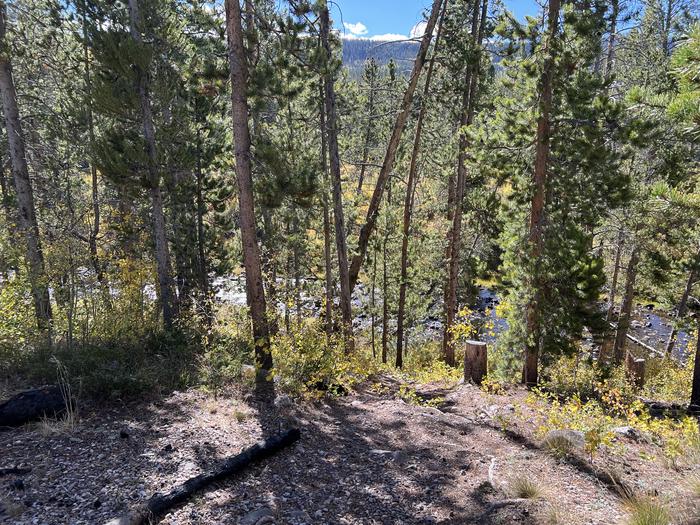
(32, 405)
(14, 471)
(159, 504)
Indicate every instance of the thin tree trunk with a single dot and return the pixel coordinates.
(6, 197)
(455, 233)
(392, 148)
(682, 305)
(373, 306)
(368, 131)
(668, 19)
(616, 273)
(411, 185)
(332, 138)
(95, 230)
(695, 394)
(537, 212)
(296, 270)
(623, 322)
(385, 280)
(162, 252)
(23, 186)
(610, 56)
(201, 241)
(327, 257)
(251, 253)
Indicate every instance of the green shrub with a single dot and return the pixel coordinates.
(308, 362)
(148, 363)
(425, 364)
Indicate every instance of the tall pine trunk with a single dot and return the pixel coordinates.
(392, 148)
(162, 252)
(332, 141)
(202, 270)
(610, 55)
(385, 281)
(537, 209)
(23, 186)
(409, 198)
(95, 198)
(623, 322)
(251, 252)
(454, 235)
(368, 130)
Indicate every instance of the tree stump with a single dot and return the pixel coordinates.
(475, 362)
(636, 368)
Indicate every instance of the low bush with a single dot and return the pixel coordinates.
(308, 362)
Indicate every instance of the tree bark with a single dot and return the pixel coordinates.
(475, 362)
(23, 186)
(332, 141)
(695, 393)
(537, 211)
(251, 252)
(411, 185)
(610, 55)
(455, 232)
(95, 198)
(201, 210)
(162, 252)
(668, 19)
(682, 305)
(623, 322)
(370, 121)
(373, 306)
(392, 148)
(327, 257)
(616, 273)
(385, 283)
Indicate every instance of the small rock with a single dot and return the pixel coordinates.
(628, 432)
(257, 517)
(379, 452)
(284, 401)
(17, 484)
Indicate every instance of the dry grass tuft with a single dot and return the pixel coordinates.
(10, 508)
(53, 426)
(694, 485)
(559, 445)
(645, 510)
(525, 488)
(555, 514)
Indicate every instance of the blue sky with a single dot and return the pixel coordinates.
(374, 18)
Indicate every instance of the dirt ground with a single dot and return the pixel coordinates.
(366, 458)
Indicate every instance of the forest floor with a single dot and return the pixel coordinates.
(366, 458)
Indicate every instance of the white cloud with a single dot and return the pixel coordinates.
(357, 29)
(418, 30)
(389, 37)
